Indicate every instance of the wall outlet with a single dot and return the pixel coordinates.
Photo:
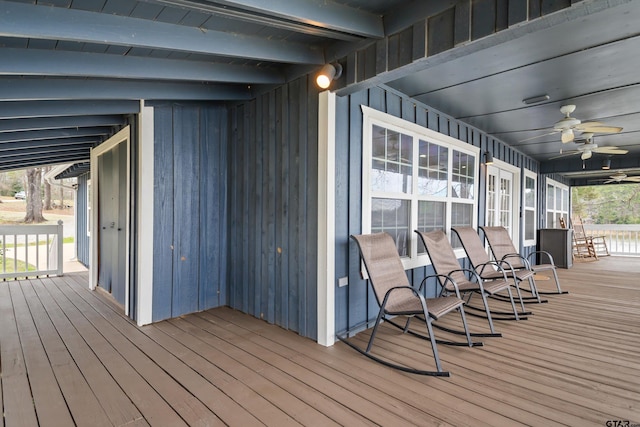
(343, 281)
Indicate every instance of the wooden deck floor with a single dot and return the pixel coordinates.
(68, 357)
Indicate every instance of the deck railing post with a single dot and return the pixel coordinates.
(60, 249)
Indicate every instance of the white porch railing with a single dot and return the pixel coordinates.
(31, 250)
(621, 239)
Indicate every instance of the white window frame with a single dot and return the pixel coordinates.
(556, 212)
(373, 117)
(525, 208)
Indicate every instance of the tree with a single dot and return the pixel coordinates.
(47, 190)
(34, 196)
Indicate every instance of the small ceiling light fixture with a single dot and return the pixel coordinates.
(327, 74)
(606, 164)
(488, 158)
(567, 136)
(535, 99)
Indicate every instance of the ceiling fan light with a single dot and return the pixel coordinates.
(586, 155)
(567, 136)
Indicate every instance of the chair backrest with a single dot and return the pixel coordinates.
(499, 241)
(382, 262)
(443, 259)
(578, 228)
(472, 245)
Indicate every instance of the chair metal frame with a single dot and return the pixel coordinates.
(488, 268)
(403, 293)
(519, 262)
(473, 283)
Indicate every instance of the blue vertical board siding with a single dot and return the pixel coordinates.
(82, 239)
(186, 178)
(354, 304)
(191, 203)
(213, 212)
(163, 214)
(274, 213)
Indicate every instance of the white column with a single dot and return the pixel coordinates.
(326, 218)
(145, 217)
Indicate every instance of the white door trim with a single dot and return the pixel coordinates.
(124, 136)
(515, 198)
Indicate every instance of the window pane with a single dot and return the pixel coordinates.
(530, 192)
(550, 219)
(391, 165)
(392, 216)
(432, 172)
(565, 200)
(558, 199)
(529, 225)
(431, 216)
(551, 196)
(461, 216)
(463, 175)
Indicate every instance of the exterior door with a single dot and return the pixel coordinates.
(500, 198)
(112, 193)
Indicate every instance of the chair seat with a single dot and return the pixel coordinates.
(491, 286)
(519, 274)
(411, 306)
(543, 267)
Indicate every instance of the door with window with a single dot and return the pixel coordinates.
(502, 198)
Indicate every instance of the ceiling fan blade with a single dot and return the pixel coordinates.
(602, 129)
(632, 179)
(565, 154)
(610, 150)
(583, 125)
(609, 181)
(538, 136)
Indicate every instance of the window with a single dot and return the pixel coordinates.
(557, 203)
(415, 178)
(530, 198)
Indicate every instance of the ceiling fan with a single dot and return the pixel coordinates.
(621, 176)
(587, 147)
(569, 125)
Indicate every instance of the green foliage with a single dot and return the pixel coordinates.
(607, 204)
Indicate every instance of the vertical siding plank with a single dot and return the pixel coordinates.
(282, 209)
(358, 288)
(303, 171)
(295, 208)
(187, 235)
(236, 284)
(211, 210)
(269, 216)
(163, 214)
(311, 307)
(342, 210)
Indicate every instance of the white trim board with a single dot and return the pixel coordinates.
(144, 311)
(123, 136)
(326, 218)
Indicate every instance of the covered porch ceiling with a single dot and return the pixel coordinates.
(72, 71)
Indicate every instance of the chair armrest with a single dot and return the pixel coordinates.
(446, 278)
(495, 264)
(549, 256)
(524, 260)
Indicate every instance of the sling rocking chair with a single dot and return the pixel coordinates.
(503, 249)
(445, 262)
(396, 297)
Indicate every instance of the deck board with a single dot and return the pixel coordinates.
(70, 357)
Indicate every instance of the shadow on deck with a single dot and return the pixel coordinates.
(69, 357)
